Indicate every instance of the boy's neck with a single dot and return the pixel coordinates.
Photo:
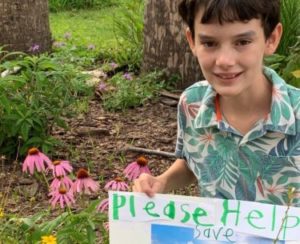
(257, 98)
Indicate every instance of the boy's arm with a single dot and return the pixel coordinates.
(177, 176)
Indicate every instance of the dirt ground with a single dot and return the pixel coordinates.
(96, 140)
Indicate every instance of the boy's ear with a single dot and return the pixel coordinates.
(274, 39)
(190, 40)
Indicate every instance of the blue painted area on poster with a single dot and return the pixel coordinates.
(168, 234)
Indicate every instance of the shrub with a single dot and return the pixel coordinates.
(132, 92)
(67, 52)
(128, 28)
(36, 94)
(290, 18)
(287, 66)
(80, 227)
(286, 61)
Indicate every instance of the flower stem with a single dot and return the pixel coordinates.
(46, 181)
(291, 191)
(69, 210)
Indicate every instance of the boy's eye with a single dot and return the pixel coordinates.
(243, 42)
(208, 43)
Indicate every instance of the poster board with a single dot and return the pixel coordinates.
(167, 219)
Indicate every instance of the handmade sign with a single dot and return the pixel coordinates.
(165, 219)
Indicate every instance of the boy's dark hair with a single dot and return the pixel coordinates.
(232, 10)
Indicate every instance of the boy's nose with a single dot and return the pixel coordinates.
(225, 59)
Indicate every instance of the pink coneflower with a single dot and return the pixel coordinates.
(84, 183)
(61, 168)
(117, 184)
(61, 180)
(103, 206)
(35, 159)
(134, 169)
(62, 196)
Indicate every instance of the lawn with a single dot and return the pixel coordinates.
(86, 27)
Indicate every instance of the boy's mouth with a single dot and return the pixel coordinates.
(227, 76)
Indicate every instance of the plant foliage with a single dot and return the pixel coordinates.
(68, 227)
(128, 28)
(290, 18)
(288, 67)
(36, 94)
(132, 93)
(286, 60)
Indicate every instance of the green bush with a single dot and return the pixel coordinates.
(128, 29)
(36, 94)
(68, 53)
(81, 227)
(286, 66)
(133, 92)
(290, 18)
(286, 60)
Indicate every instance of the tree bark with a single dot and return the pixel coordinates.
(165, 45)
(24, 24)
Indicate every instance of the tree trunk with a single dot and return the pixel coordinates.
(165, 45)
(24, 25)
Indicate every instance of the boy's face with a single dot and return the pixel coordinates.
(231, 55)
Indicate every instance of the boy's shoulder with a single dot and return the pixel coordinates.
(294, 95)
(294, 92)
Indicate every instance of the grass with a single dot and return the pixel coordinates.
(86, 26)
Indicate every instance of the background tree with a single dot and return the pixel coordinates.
(165, 45)
(24, 25)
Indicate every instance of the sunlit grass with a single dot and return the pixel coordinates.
(86, 26)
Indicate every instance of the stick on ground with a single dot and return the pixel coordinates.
(149, 151)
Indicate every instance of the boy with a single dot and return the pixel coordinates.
(238, 131)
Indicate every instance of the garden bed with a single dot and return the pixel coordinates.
(96, 140)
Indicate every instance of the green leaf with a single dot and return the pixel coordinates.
(34, 140)
(49, 226)
(36, 236)
(91, 235)
(25, 131)
(5, 103)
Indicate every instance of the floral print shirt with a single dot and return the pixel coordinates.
(259, 166)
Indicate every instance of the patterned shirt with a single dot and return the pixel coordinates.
(261, 166)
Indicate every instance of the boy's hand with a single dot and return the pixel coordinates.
(149, 184)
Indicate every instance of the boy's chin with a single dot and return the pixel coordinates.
(228, 92)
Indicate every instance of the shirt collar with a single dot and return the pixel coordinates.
(281, 119)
